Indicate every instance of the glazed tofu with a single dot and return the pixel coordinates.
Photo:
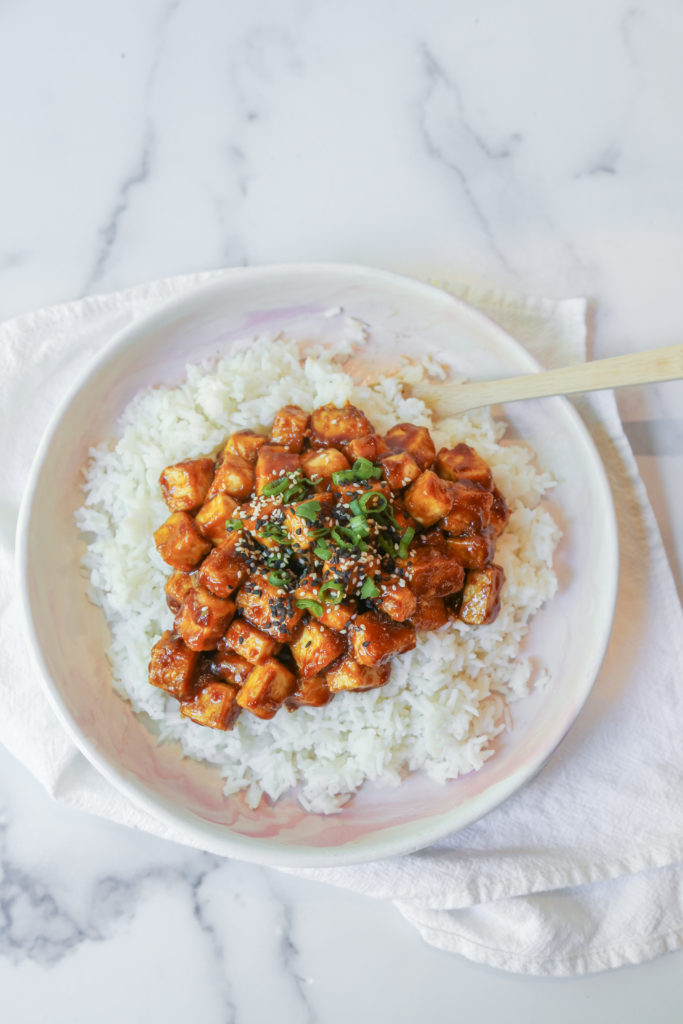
(266, 688)
(213, 515)
(185, 485)
(473, 551)
(370, 446)
(312, 692)
(336, 616)
(463, 463)
(234, 476)
(429, 498)
(334, 427)
(470, 511)
(273, 463)
(431, 570)
(249, 642)
(214, 704)
(246, 444)
(400, 469)
(315, 648)
(269, 608)
(499, 512)
(431, 613)
(481, 596)
(396, 599)
(174, 667)
(301, 530)
(175, 588)
(203, 618)
(180, 543)
(376, 640)
(323, 463)
(289, 428)
(417, 441)
(350, 675)
(226, 567)
(229, 666)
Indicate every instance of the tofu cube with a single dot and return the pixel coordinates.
(323, 463)
(226, 567)
(431, 613)
(312, 692)
(400, 469)
(463, 463)
(269, 608)
(396, 599)
(334, 427)
(470, 511)
(315, 648)
(214, 705)
(266, 688)
(370, 446)
(176, 587)
(473, 551)
(350, 675)
(185, 484)
(429, 498)
(430, 570)
(213, 515)
(249, 642)
(417, 441)
(229, 666)
(300, 529)
(273, 463)
(234, 476)
(289, 428)
(376, 640)
(203, 619)
(481, 596)
(173, 666)
(336, 616)
(499, 512)
(246, 444)
(180, 543)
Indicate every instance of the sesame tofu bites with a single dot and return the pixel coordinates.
(307, 560)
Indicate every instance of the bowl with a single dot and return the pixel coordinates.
(68, 635)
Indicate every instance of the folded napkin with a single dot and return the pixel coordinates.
(580, 870)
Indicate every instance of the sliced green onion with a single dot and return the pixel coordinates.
(404, 544)
(339, 539)
(363, 469)
(309, 510)
(280, 579)
(320, 531)
(322, 551)
(359, 524)
(276, 533)
(385, 544)
(355, 507)
(366, 499)
(333, 591)
(294, 493)
(343, 476)
(309, 605)
(389, 513)
(276, 486)
(369, 589)
(233, 524)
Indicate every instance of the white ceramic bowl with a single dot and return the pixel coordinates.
(68, 635)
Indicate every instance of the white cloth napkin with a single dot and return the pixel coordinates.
(579, 871)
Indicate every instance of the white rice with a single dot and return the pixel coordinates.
(445, 700)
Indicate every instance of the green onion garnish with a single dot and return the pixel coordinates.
(372, 501)
(363, 469)
(309, 510)
(233, 524)
(343, 476)
(322, 551)
(385, 544)
(404, 544)
(309, 605)
(276, 486)
(333, 592)
(339, 539)
(294, 493)
(368, 589)
(359, 525)
(276, 533)
(279, 579)
(355, 507)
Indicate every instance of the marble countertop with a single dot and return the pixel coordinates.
(533, 146)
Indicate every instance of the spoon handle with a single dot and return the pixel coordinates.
(657, 364)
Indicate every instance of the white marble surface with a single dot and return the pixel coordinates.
(534, 145)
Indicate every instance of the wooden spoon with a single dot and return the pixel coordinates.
(620, 371)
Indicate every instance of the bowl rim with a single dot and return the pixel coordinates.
(218, 838)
